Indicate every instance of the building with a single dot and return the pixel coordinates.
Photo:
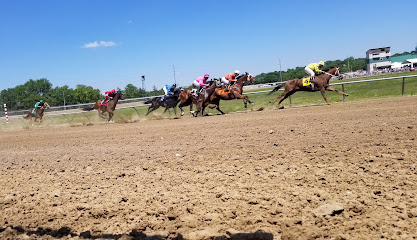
(378, 58)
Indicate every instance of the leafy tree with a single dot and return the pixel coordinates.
(131, 91)
(60, 96)
(86, 94)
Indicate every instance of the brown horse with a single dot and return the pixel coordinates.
(38, 112)
(234, 92)
(111, 105)
(187, 99)
(321, 83)
(203, 99)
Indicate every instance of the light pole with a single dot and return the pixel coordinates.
(63, 95)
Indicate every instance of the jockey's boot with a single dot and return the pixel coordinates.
(312, 79)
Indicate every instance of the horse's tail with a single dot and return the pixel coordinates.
(149, 101)
(276, 88)
(28, 115)
(88, 108)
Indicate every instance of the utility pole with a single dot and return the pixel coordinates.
(280, 75)
(174, 74)
(63, 95)
(348, 64)
(143, 82)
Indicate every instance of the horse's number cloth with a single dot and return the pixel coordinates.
(306, 81)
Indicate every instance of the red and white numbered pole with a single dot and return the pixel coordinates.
(5, 112)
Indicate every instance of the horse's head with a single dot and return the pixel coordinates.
(250, 78)
(45, 105)
(120, 95)
(337, 73)
(217, 82)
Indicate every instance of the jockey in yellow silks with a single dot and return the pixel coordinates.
(314, 68)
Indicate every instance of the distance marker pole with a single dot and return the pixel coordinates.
(5, 112)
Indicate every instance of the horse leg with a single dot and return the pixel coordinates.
(191, 109)
(110, 115)
(323, 93)
(338, 91)
(180, 107)
(175, 111)
(166, 108)
(276, 99)
(285, 97)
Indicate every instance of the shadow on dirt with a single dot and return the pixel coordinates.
(11, 232)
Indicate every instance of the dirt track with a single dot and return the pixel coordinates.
(265, 172)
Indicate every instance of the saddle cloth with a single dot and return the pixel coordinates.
(306, 81)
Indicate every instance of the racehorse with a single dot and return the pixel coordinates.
(321, 83)
(169, 101)
(111, 105)
(203, 99)
(234, 92)
(38, 112)
(187, 98)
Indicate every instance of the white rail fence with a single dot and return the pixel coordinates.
(65, 110)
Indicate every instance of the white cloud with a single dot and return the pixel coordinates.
(97, 44)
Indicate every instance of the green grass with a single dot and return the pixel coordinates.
(356, 91)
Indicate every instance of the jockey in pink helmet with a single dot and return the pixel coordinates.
(201, 82)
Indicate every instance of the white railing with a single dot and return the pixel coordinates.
(48, 115)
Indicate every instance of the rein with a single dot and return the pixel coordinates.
(337, 72)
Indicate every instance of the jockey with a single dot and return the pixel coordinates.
(201, 82)
(37, 105)
(168, 90)
(109, 95)
(229, 79)
(314, 68)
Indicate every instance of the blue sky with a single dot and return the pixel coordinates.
(108, 43)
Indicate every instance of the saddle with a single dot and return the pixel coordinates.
(195, 92)
(105, 102)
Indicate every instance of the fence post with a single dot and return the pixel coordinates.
(343, 90)
(136, 111)
(66, 117)
(403, 87)
(51, 120)
(87, 116)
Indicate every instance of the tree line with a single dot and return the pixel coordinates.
(26, 95)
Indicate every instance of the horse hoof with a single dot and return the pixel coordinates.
(346, 95)
(280, 107)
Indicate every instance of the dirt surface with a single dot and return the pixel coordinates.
(344, 171)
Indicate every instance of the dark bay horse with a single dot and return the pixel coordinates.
(235, 92)
(170, 101)
(38, 113)
(203, 99)
(111, 105)
(321, 83)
